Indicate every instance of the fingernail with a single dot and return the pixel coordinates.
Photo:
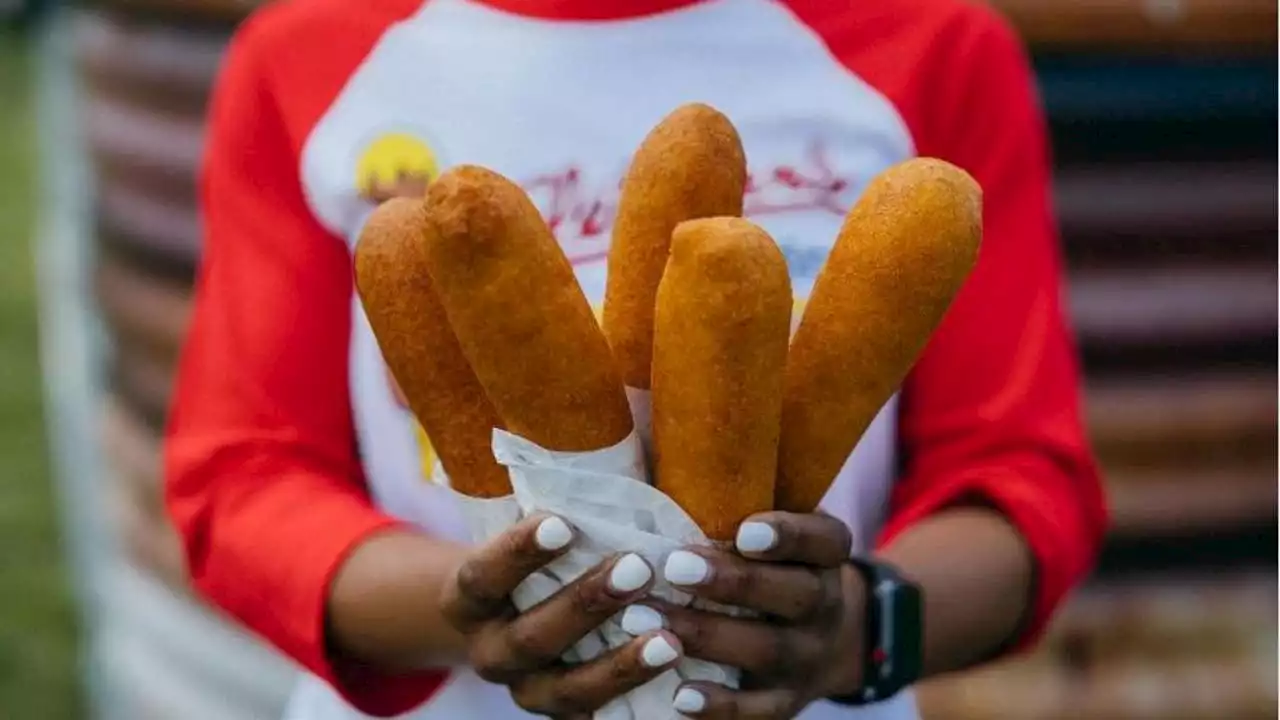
(685, 568)
(755, 537)
(641, 619)
(630, 573)
(688, 700)
(658, 652)
(552, 534)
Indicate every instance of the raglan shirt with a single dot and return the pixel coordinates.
(264, 477)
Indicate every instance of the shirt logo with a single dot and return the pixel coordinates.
(580, 210)
(395, 165)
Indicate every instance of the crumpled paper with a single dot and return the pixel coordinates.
(605, 495)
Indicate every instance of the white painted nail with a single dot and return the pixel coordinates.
(688, 700)
(658, 652)
(552, 534)
(630, 573)
(755, 537)
(641, 619)
(685, 568)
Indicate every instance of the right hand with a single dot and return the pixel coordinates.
(522, 651)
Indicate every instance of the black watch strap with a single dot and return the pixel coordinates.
(893, 633)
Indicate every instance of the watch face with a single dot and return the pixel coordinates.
(886, 597)
(895, 632)
(903, 624)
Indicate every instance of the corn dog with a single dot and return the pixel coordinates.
(519, 315)
(901, 256)
(420, 348)
(720, 348)
(691, 165)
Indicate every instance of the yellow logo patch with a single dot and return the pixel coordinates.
(395, 165)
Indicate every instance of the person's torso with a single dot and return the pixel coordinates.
(559, 107)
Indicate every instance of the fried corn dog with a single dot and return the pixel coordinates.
(720, 351)
(519, 315)
(421, 350)
(901, 257)
(691, 165)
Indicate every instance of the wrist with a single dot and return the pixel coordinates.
(891, 642)
(850, 669)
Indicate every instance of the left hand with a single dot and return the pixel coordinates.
(807, 642)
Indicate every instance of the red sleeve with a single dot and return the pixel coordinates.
(261, 473)
(992, 409)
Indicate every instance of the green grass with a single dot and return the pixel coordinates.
(37, 621)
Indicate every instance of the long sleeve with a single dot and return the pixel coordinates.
(262, 476)
(992, 409)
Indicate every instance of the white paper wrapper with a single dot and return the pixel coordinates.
(605, 495)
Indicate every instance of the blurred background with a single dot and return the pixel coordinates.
(1164, 121)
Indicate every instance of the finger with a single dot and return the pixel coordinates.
(757, 647)
(582, 689)
(812, 538)
(791, 592)
(483, 583)
(541, 634)
(708, 701)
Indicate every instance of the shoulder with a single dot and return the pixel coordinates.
(296, 42)
(290, 26)
(933, 59)
(298, 54)
(899, 20)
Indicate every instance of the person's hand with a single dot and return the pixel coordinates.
(522, 651)
(807, 642)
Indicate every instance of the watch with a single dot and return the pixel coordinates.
(893, 633)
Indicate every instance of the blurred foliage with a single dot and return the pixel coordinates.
(38, 678)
